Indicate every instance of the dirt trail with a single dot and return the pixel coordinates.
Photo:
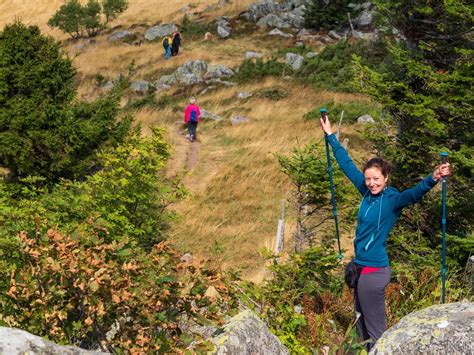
(192, 157)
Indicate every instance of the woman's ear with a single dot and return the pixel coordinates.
(386, 179)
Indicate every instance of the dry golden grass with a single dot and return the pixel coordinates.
(237, 188)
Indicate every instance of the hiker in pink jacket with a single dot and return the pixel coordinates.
(192, 116)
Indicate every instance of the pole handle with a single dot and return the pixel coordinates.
(324, 114)
(444, 158)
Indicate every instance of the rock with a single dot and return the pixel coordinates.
(107, 86)
(365, 19)
(277, 32)
(263, 8)
(17, 341)
(165, 80)
(220, 82)
(140, 86)
(187, 258)
(161, 87)
(294, 60)
(366, 36)
(244, 95)
(157, 32)
(365, 119)
(121, 36)
(238, 119)
(294, 19)
(310, 55)
(304, 32)
(334, 35)
(272, 20)
(299, 44)
(209, 115)
(439, 329)
(247, 334)
(223, 32)
(251, 55)
(191, 72)
(218, 71)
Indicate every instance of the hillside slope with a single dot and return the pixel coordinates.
(235, 183)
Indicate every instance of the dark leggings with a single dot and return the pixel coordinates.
(369, 301)
(192, 129)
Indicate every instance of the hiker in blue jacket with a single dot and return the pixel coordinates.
(379, 209)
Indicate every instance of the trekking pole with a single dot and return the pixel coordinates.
(324, 113)
(444, 158)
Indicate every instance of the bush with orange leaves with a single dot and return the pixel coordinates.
(77, 287)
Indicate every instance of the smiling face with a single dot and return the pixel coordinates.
(375, 180)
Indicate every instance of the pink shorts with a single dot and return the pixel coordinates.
(369, 269)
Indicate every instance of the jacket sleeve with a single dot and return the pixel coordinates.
(414, 194)
(347, 165)
(186, 114)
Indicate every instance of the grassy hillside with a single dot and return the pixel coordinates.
(235, 183)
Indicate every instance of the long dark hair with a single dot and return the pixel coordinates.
(377, 162)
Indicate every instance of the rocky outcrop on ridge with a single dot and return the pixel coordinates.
(16, 341)
(439, 329)
(247, 334)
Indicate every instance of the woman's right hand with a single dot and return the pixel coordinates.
(326, 125)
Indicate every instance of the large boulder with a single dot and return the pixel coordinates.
(253, 55)
(191, 72)
(294, 60)
(218, 71)
(272, 20)
(247, 334)
(439, 329)
(262, 8)
(157, 32)
(122, 36)
(140, 86)
(16, 341)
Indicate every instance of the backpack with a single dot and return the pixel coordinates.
(193, 117)
(166, 42)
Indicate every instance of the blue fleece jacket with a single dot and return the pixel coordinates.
(377, 213)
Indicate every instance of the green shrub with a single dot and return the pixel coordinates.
(113, 8)
(69, 18)
(44, 131)
(73, 17)
(193, 30)
(274, 93)
(332, 68)
(151, 101)
(327, 14)
(251, 70)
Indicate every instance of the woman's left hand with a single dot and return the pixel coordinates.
(440, 171)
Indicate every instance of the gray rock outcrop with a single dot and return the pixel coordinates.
(439, 329)
(16, 341)
(252, 55)
(244, 95)
(223, 32)
(218, 71)
(277, 32)
(157, 32)
(268, 13)
(121, 36)
(140, 86)
(209, 115)
(247, 334)
(294, 60)
(365, 119)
